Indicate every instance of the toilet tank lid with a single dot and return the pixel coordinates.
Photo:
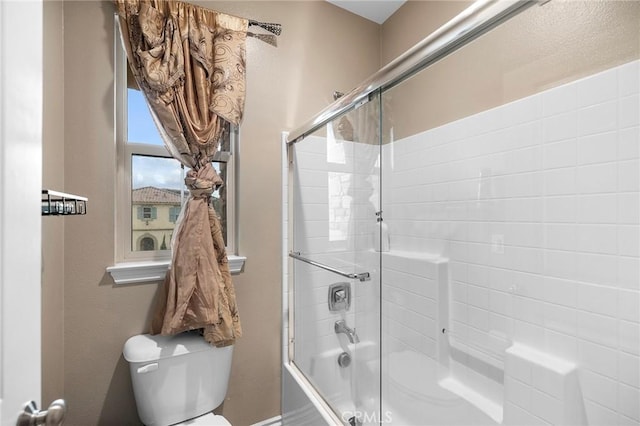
(145, 347)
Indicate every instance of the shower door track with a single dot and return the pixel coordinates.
(362, 276)
(477, 19)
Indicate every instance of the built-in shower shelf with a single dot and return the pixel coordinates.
(56, 203)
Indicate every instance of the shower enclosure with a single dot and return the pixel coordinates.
(463, 229)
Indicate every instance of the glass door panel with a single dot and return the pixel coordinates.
(494, 198)
(335, 201)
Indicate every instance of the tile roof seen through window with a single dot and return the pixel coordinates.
(153, 195)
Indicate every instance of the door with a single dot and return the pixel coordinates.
(20, 218)
(336, 217)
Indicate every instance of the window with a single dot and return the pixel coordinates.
(174, 212)
(147, 213)
(151, 190)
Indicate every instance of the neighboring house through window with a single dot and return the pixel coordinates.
(151, 210)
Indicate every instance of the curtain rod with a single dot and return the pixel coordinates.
(269, 26)
(273, 28)
(477, 19)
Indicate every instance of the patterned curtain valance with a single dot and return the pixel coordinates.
(190, 63)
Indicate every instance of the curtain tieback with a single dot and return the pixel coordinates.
(198, 187)
(201, 193)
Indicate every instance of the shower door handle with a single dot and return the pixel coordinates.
(52, 416)
(362, 276)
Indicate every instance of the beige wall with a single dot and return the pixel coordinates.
(539, 49)
(414, 21)
(322, 49)
(52, 226)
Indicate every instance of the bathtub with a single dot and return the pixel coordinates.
(416, 386)
(412, 392)
(426, 372)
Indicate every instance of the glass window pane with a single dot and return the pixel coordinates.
(140, 125)
(154, 182)
(156, 197)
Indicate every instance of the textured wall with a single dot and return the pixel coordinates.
(542, 47)
(414, 21)
(53, 227)
(322, 49)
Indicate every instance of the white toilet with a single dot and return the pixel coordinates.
(178, 380)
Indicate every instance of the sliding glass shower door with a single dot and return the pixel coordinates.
(335, 257)
(465, 243)
(510, 193)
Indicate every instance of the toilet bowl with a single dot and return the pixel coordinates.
(178, 380)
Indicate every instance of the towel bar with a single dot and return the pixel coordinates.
(363, 276)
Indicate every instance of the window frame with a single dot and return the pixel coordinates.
(124, 154)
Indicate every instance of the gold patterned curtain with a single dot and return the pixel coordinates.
(190, 64)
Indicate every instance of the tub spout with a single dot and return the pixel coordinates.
(341, 327)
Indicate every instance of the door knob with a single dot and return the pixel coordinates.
(52, 416)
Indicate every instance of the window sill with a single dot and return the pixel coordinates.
(154, 271)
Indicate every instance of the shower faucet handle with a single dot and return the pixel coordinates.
(339, 297)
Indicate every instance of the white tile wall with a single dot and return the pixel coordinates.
(536, 203)
(410, 297)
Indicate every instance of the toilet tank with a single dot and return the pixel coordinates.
(176, 378)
